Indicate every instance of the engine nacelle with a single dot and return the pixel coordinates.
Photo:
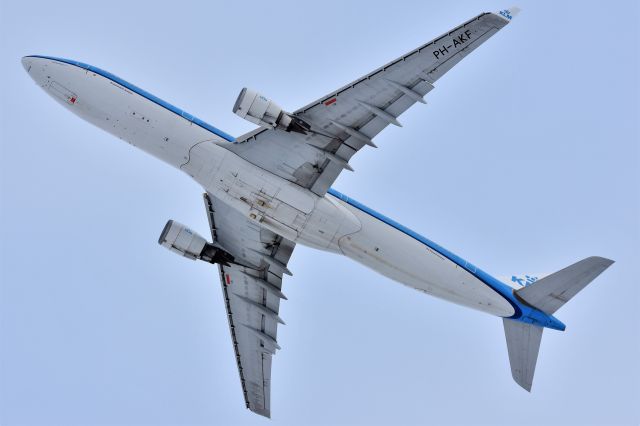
(256, 108)
(182, 240)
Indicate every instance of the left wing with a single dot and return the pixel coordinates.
(346, 120)
(252, 296)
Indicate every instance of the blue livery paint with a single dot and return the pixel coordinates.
(143, 93)
(527, 280)
(523, 312)
(507, 14)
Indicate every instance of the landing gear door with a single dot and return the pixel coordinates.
(62, 93)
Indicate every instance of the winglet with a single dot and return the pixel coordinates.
(509, 13)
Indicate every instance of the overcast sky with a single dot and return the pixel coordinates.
(525, 159)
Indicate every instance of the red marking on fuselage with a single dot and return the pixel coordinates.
(228, 279)
(330, 101)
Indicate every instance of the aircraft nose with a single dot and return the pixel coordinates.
(38, 69)
(26, 63)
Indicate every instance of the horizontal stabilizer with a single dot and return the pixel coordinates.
(553, 291)
(523, 344)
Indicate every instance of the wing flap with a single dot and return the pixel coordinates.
(361, 109)
(252, 296)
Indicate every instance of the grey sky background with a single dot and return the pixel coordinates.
(525, 159)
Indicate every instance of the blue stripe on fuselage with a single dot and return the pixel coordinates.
(143, 93)
(522, 312)
(498, 286)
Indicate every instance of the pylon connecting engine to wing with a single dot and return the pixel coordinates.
(182, 240)
(256, 108)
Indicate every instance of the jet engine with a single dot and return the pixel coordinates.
(256, 108)
(182, 240)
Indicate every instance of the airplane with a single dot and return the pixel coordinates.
(270, 189)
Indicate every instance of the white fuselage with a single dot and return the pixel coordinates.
(330, 223)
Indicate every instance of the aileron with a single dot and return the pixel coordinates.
(270, 189)
(252, 297)
(360, 110)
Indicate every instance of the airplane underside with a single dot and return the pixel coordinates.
(269, 190)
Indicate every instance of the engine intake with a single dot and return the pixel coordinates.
(182, 240)
(256, 108)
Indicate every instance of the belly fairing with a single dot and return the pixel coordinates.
(328, 223)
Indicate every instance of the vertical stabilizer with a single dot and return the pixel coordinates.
(523, 344)
(546, 295)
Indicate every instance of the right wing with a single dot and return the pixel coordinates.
(252, 296)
